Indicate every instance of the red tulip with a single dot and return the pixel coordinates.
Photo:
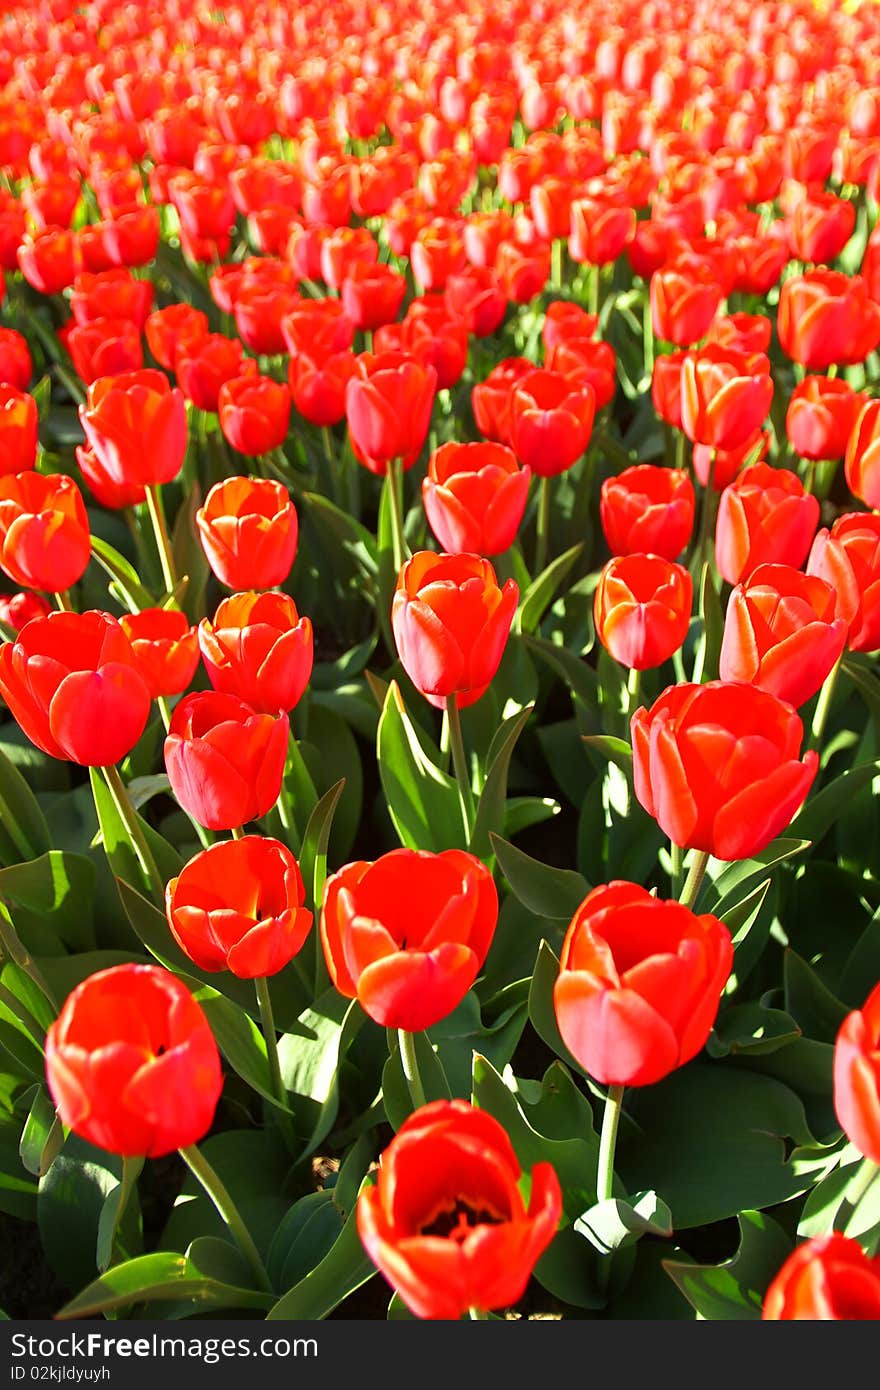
(388, 404)
(666, 387)
(238, 906)
(684, 301)
(490, 399)
(72, 683)
(848, 557)
(862, 463)
(600, 229)
(259, 649)
(725, 396)
(136, 425)
(446, 1222)
(167, 330)
(16, 366)
(857, 1076)
(224, 761)
(717, 766)
(50, 260)
(254, 413)
(249, 531)
(827, 1279)
(132, 1064)
(166, 648)
(19, 426)
(820, 417)
(781, 633)
(824, 317)
(639, 984)
(451, 622)
(318, 385)
(408, 934)
(647, 509)
(475, 296)
(204, 364)
(16, 610)
(104, 348)
(564, 320)
(764, 517)
(820, 226)
(45, 541)
(111, 294)
(318, 328)
(107, 490)
(474, 497)
(642, 609)
(551, 420)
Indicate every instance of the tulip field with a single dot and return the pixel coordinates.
(439, 699)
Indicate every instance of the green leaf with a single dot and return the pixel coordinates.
(52, 896)
(240, 1041)
(159, 1276)
(253, 1165)
(546, 891)
(736, 1288)
(815, 1009)
(341, 1271)
(615, 1223)
(304, 1238)
(313, 856)
(490, 811)
(614, 750)
(822, 810)
(311, 1059)
(580, 678)
(42, 1136)
(422, 800)
(117, 842)
(20, 813)
(542, 589)
(71, 1199)
(751, 1029)
(126, 576)
(541, 1011)
(345, 531)
(113, 1212)
(711, 1140)
(734, 881)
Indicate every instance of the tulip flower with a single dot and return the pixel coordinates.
(490, 399)
(586, 362)
(388, 404)
(781, 633)
(136, 424)
(408, 934)
(104, 348)
(132, 1064)
(165, 647)
(436, 253)
(642, 609)
(827, 1279)
(820, 227)
(826, 316)
(599, 230)
(639, 984)
(204, 364)
(684, 301)
(718, 767)
(474, 295)
(107, 490)
(45, 541)
(318, 385)
(16, 610)
(446, 1222)
(50, 260)
(111, 294)
(318, 327)
(725, 396)
(857, 1076)
(224, 761)
(238, 906)
(764, 517)
(259, 649)
(167, 330)
(647, 509)
(551, 420)
(249, 531)
(254, 412)
(848, 557)
(820, 417)
(19, 425)
(862, 463)
(16, 367)
(474, 497)
(564, 320)
(666, 387)
(451, 622)
(72, 683)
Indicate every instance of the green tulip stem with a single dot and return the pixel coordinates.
(823, 707)
(332, 462)
(237, 832)
(608, 1144)
(130, 819)
(633, 693)
(64, 603)
(706, 513)
(410, 1063)
(394, 487)
(556, 263)
(270, 1033)
(680, 438)
(676, 877)
(694, 879)
(163, 540)
(647, 338)
(201, 1169)
(543, 533)
(459, 762)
